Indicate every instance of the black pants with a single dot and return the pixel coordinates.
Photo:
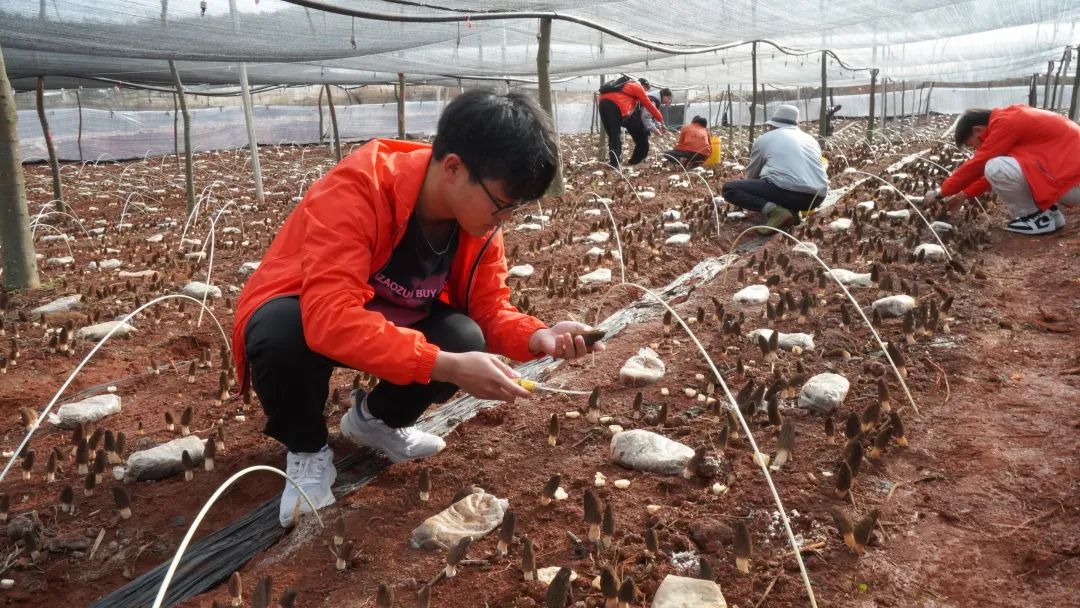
(685, 157)
(292, 381)
(614, 123)
(752, 194)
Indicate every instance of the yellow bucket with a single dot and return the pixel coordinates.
(714, 158)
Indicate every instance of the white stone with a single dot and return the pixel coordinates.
(647, 451)
(60, 261)
(193, 243)
(643, 368)
(846, 277)
(529, 227)
(676, 227)
(7, 583)
(230, 230)
(156, 238)
(752, 295)
(901, 214)
(164, 460)
(592, 213)
(135, 274)
(736, 215)
(842, 224)
(198, 289)
(672, 215)
(824, 392)
(678, 240)
(894, 306)
(91, 409)
(621, 484)
(600, 275)
(934, 253)
(805, 248)
(595, 252)
(99, 331)
(560, 494)
(685, 592)
(110, 264)
(59, 305)
(475, 515)
(785, 341)
(195, 256)
(96, 231)
(546, 575)
(647, 195)
(247, 268)
(942, 227)
(598, 237)
(521, 270)
(865, 205)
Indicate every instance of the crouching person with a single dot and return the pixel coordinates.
(693, 146)
(394, 264)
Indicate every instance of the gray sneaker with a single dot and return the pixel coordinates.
(315, 473)
(399, 445)
(1059, 217)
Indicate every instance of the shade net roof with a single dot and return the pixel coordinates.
(282, 42)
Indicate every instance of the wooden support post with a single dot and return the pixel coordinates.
(54, 163)
(1075, 89)
(401, 106)
(602, 149)
(928, 94)
(253, 142)
(78, 99)
(189, 165)
(1033, 91)
(176, 129)
(873, 87)
(730, 121)
(321, 128)
(19, 261)
(753, 89)
(543, 61)
(823, 114)
(1063, 69)
(333, 121)
(1046, 85)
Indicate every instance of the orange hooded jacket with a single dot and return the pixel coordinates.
(1045, 144)
(632, 94)
(345, 229)
(694, 138)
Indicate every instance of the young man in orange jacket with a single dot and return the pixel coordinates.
(1028, 156)
(693, 146)
(393, 264)
(622, 110)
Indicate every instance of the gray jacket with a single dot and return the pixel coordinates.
(789, 159)
(650, 122)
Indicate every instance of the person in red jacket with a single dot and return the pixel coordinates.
(622, 110)
(393, 264)
(1028, 156)
(693, 146)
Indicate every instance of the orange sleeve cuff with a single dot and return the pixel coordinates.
(428, 353)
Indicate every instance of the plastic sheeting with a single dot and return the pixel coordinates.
(913, 40)
(118, 135)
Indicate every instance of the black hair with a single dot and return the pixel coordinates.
(701, 121)
(665, 93)
(500, 137)
(970, 119)
(644, 83)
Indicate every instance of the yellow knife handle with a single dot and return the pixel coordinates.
(525, 383)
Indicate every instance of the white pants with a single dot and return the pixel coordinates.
(1009, 183)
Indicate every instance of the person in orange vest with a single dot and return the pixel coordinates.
(620, 109)
(393, 264)
(1027, 156)
(693, 146)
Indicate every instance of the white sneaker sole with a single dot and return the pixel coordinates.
(353, 434)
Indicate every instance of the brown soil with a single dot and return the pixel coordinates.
(980, 510)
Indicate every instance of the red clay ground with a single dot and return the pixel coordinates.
(980, 510)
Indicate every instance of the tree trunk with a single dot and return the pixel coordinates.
(189, 164)
(543, 57)
(20, 265)
(401, 106)
(54, 163)
(333, 121)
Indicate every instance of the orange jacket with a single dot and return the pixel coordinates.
(1045, 144)
(694, 138)
(345, 229)
(632, 94)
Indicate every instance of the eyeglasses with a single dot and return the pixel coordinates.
(500, 206)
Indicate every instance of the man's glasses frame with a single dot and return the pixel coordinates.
(500, 206)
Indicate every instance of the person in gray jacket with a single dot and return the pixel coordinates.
(659, 98)
(785, 175)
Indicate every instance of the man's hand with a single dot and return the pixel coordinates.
(481, 375)
(560, 341)
(931, 197)
(954, 202)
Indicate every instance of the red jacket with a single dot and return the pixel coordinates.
(344, 229)
(632, 94)
(1047, 146)
(694, 138)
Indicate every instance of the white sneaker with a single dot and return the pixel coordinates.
(399, 445)
(315, 473)
(1059, 217)
(1037, 223)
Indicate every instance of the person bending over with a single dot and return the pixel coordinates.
(693, 146)
(619, 110)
